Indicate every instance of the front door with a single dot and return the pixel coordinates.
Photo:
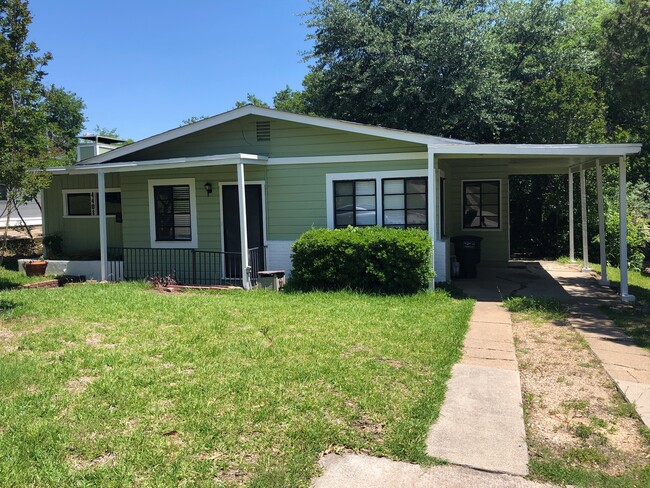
(231, 235)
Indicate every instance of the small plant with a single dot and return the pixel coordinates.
(537, 309)
(158, 281)
(53, 244)
(583, 431)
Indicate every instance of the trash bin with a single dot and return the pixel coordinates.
(468, 254)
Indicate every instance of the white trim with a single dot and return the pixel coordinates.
(583, 220)
(235, 114)
(462, 201)
(330, 178)
(156, 164)
(191, 244)
(103, 240)
(349, 158)
(572, 254)
(67, 191)
(594, 150)
(234, 183)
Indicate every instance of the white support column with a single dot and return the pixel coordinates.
(583, 211)
(572, 256)
(432, 207)
(243, 228)
(622, 189)
(103, 241)
(601, 224)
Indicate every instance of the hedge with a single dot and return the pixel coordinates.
(369, 259)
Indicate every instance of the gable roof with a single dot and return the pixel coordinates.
(395, 134)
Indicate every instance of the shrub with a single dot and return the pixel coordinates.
(371, 259)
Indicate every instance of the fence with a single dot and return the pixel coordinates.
(186, 266)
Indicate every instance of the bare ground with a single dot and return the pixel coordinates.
(573, 410)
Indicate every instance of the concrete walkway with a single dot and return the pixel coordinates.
(361, 471)
(627, 364)
(481, 422)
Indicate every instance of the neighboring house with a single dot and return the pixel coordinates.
(172, 201)
(30, 212)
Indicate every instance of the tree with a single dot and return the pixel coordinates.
(193, 119)
(65, 120)
(31, 123)
(289, 100)
(251, 99)
(423, 65)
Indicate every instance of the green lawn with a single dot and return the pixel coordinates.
(12, 279)
(118, 385)
(633, 319)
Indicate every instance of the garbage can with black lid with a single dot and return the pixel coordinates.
(468, 254)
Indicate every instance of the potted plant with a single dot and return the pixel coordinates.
(35, 267)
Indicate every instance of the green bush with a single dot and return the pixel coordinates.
(371, 259)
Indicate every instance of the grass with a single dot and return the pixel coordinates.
(633, 319)
(118, 385)
(12, 279)
(582, 465)
(536, 309)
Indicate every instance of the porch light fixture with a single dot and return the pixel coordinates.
(208, 188)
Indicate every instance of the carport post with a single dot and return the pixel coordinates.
(432, 205)
(243, 227)
(572, 256)
(103, 244)
(622, 209)
(583, 209)
(601, 224)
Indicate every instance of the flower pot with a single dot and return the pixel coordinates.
(35, 268)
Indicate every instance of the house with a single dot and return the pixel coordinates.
(225, 197)
(26, 214)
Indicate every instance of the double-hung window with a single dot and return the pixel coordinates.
(85, 203)
(405, 202)
(481, 208)
(355, 203)
(172, 213)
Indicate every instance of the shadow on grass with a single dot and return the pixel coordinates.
(7, 305)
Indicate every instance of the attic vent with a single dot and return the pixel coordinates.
(263, 131)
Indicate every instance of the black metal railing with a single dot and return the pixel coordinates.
(185, 266)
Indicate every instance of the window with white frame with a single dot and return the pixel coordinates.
(405, 202)
(481, 207)
(173, 212)
(355, 203)
(85, 203)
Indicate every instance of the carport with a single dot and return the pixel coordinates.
(465, 172)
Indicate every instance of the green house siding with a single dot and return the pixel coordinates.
(80, 234)
(495, 244)
(288, 139)
(296, 194)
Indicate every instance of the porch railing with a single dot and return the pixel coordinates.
(186, 266)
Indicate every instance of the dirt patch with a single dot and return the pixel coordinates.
(106, 459)
(79, 385)
(573, 409)
(395, 363)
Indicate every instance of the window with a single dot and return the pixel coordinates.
(85, 203)
(405, 202)
(3, 192)
(355, 203)
(172, 212)
(481, 208)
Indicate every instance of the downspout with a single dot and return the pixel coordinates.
(432, 172)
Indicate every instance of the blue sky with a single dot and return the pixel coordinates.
(143, 66)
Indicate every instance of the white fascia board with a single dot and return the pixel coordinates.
(216, 160)
(275, 114)
(538, 149)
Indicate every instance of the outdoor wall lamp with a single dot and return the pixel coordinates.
(208, 188)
